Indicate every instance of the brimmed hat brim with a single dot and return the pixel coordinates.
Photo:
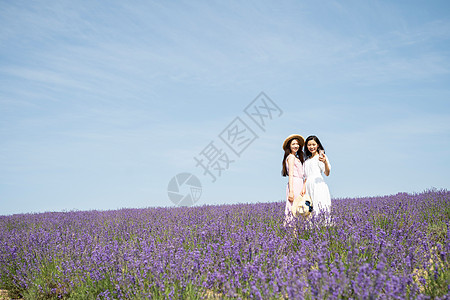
(300, 139)
(299, 206)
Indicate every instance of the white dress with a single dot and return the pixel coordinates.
(316, 187)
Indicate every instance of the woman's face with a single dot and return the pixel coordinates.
(312, 146)
(294, 145)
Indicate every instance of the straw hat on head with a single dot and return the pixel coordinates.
(301, 140)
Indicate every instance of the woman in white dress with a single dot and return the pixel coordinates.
(292, 166)
(315, 164)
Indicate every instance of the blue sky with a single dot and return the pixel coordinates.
(102, 103)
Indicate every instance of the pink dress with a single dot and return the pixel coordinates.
(297, 186)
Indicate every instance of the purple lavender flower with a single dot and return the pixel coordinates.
(382, 247)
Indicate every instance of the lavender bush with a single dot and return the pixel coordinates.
(392, 247)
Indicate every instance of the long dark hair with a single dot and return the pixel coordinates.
(287, 151)
(319, 145)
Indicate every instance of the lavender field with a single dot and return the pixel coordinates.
(391, 247)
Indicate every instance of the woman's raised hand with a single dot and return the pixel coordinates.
(323, 158)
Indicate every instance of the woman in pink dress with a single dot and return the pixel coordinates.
(292, 167)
